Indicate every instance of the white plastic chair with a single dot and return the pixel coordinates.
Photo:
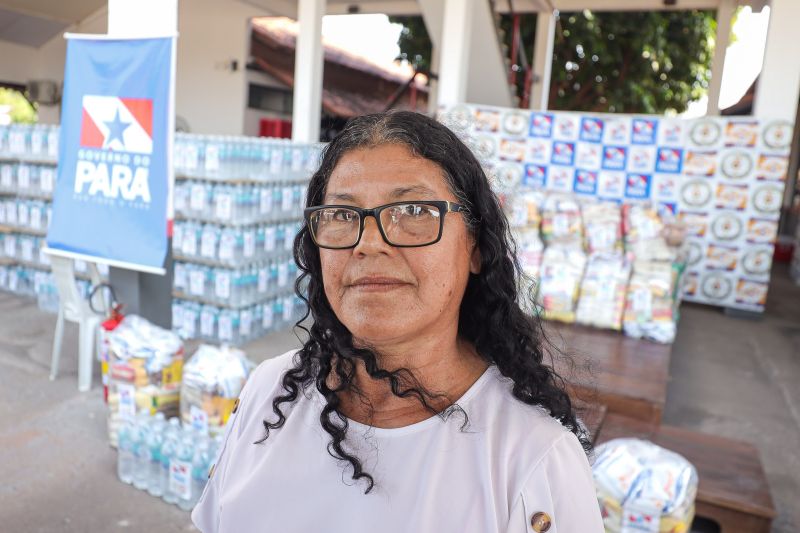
(74, 308)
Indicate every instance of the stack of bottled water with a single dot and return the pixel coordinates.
(167, 459)
(34, 143)
(239, 204)
(27, 177)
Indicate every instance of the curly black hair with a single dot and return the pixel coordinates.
(492, 314)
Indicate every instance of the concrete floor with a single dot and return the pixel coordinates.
(733, 377)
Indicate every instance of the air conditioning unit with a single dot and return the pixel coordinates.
(43, 92)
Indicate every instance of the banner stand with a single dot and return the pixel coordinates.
(109, 262)
(147, 294)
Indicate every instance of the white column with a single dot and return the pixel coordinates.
(725, 13)
(142, 18)
(779, 82)
(454, 52)
(308, 61)
(543, 59)
(433, 85)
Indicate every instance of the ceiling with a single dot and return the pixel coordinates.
(34, 22)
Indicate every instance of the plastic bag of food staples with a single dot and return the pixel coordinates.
(561, 220)
(650, 310)
(144, 371)
(523, 210)
(530, 249)
(645, 234)
(212, 380)
(602, 297)
(559, 281)
(644, 487)
(602, 222)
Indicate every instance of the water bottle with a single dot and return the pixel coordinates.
(141, 451)
(180, 481)
(125, 457)
(200, 468)
(168, 450)
(154, 442)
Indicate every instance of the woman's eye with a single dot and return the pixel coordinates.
(343, 215)
(414, 210)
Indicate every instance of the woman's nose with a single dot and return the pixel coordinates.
(371, 239)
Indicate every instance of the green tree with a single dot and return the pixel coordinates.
(631, 62)
(21, 109)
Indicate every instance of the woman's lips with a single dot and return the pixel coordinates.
(377, 284)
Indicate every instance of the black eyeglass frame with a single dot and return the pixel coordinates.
(444, 207)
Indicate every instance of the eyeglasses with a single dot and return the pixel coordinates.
(401, 224)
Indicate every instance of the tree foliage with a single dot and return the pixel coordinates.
(21, 109)
(632, 62)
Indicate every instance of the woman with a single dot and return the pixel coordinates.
(420, 402)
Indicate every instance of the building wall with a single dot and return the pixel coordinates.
(209, 94)
(16, 62)
(252, 117)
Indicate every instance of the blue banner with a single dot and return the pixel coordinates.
(114, 172)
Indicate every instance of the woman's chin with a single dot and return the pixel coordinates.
(377, 332)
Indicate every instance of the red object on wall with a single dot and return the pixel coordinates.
(275, 127)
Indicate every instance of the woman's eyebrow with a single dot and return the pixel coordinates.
(417, 189)
(340, 197)
(396, 193)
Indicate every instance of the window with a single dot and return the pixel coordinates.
(269, 99)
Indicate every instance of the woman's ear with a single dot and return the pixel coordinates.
(475, 260)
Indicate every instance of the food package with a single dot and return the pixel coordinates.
(529, 250)
(645, 234)
(144, 365)
(602, 297)
(651, 306)
(561, 220)
(559, 281)
(212, 380)
(602, 222)
(644, 487)
(523, 210)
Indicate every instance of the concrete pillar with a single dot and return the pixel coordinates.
(433, 16)
(147, 295)
(433, 85)
(779, 82)
(725, 13)
(454, 52)
(778, 86)
(543, 59)
(308, 62)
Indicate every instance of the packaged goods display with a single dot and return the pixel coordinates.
(212, 379)
(561, 221)
(602, 294)
(142, 366)
(723, 177)
(582, 255)
(560, 281)
(650, 306)
(644, 487)
(602, 223)
(645, 234)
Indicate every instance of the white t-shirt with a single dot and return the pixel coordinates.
(512, 461)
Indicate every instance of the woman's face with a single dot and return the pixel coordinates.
(381, 293)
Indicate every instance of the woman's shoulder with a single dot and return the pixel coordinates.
(528, 432)
(269, 371)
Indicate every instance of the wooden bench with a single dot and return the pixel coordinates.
(732, 490)
(627, 375)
